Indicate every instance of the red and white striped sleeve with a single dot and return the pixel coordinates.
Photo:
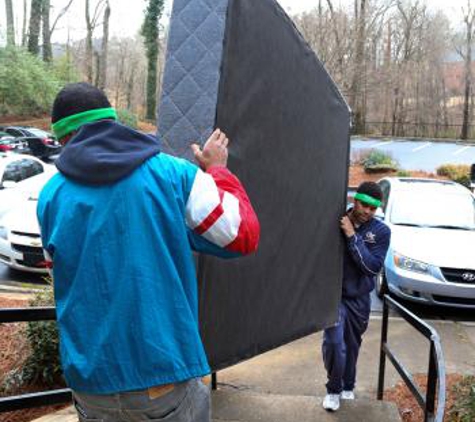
(48, 262)
(219, 209)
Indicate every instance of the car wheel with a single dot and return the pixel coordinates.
(381, 284)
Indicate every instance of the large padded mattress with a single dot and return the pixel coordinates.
(242, 66)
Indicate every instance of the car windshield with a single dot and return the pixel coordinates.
(442, 210)
(39, 132)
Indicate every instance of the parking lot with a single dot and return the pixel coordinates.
(420, 155)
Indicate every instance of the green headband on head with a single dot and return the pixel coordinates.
(71, 123)
(368, 199)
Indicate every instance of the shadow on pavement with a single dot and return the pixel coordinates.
(9, 276)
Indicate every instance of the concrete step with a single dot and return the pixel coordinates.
(232, 406)
(237, 406)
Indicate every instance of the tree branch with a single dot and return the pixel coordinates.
(60, 15)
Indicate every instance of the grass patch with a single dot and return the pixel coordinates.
(463, 408)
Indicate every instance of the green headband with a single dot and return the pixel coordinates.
(368, 199)
(71, 123)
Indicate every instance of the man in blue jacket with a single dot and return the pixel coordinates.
(119, 223)
(367, 242)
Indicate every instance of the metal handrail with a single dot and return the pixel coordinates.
(43, 398)
(436, 371)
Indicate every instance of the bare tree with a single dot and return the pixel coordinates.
(358, 79)
(406, 40)
(104, 48)
(466, 54)
(388, 56)
(60, 15)
(24, 26)
(130, 86)
(10, 23)
(91, 24)
(340, 31)
(40, 22)
(327, 30)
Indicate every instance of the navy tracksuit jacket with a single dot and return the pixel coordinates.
(364, 258)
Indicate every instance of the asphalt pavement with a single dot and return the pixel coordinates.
(14, 277)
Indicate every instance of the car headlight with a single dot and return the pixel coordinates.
(3, 233)
(409, 264)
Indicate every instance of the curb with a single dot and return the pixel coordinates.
(19, 290)
(469, 142)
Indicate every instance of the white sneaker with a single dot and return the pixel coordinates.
(331, 402)
(347, 395)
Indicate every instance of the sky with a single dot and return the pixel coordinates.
(127, 15)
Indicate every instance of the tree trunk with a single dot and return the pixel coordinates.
(445, 108)
(47, 51)
(105, 45)
(68, 57)
(89, 54)
(468, 79)
(97, 61)
(130, 86)
(34, 28)
(339, 61)
(10, 23)
(121, 80)
(25, 20)
(356, 89)
(388, 80)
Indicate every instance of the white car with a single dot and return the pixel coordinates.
(17, 167)
(431, 258)
(20, 241)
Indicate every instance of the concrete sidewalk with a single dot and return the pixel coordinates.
(287, 384)
(297, 368)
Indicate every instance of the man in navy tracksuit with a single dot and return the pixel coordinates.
(367, 241)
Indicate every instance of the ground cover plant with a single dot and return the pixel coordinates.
(459, 173)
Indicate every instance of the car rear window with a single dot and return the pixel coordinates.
(39, 132)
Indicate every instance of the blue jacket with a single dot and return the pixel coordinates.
(364, 257)
(120, 222)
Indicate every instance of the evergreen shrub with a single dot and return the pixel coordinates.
(27, 85)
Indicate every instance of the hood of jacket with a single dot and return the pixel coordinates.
(104, 152)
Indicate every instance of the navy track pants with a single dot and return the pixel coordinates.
(341, 343)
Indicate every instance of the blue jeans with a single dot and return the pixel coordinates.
(186, 402)
(341, 343)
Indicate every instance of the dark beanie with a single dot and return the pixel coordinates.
(371, 189)
(77, 98)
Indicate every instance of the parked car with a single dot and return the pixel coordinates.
(6, 144)
(38, 142)
(5, 135)
(17, 167)
(20, 241)
(431, 258)
(10, 143)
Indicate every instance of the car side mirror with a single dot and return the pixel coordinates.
(379, 214)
